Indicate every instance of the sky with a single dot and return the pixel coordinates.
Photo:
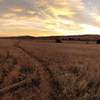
(49, 17)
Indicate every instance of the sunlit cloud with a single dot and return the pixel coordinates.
(8, 15)
(17, 10)
(49, 17)
(90, 29)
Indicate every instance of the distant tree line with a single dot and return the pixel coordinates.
(59, 40)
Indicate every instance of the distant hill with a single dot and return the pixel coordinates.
(18, 37)
(74, 37)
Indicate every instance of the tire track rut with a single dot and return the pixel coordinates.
(45, 89)
(48, 79)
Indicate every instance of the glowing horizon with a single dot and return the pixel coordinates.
(49, 17)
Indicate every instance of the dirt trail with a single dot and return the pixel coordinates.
(45, 90)
(42, 83)
(48, 79)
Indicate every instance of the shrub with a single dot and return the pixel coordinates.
(58, 41)
(98, 42)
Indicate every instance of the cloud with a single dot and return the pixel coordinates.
(55, 16)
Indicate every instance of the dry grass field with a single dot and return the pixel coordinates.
(31, 70)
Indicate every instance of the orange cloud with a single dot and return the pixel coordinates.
(17, 9)
(8, 15)
(44, 17)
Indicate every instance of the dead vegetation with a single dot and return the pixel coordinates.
(47, 71)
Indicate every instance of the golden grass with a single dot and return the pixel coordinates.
(73, 70)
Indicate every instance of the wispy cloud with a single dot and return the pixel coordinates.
(63, 17)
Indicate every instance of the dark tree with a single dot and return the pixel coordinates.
(58, 41)
(98, 42)
(70, 39)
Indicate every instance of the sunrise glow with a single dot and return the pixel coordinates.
(49, 17)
